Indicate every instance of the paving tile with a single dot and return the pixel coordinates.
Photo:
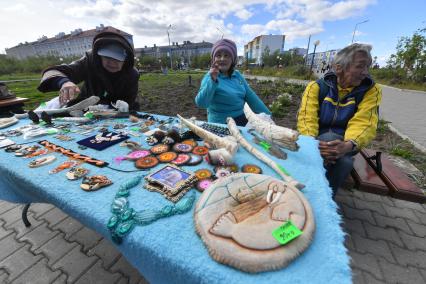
(11, 216)
(386, 234)
(413, 242)
(349, 244)
(387, 200)
(54, 216)
(400, 274)
(396, 223)
(87, 238)
(370, 205)
(19, 226)
(354, 225)
(3, 276)
(357, 276)
(358, 194)
(369, 279)
(19, 261)
(62, 279)
(366, 262)
(418, 229)
(421, 216)
(412, 205)
(39, 209)
(364, 215)
(6, 206)
(377, 248)
(3, 231)
(405, 257)
(423, 272)
(74, 263)
(132, 274)
(68, 226)
(56, 248)
(38, 274)
(106, 251)
(344, 198)
(39, 236)
(8, 245)
(405, 213)
(97, 274)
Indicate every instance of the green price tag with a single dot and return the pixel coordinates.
(265, 145)
(88, 115)
(286, 232)
(52, 131)
(135, 129)
(43, 104)
(283, 170)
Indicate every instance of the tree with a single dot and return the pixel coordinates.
(411, 55)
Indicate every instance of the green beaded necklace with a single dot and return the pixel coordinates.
(125, 218)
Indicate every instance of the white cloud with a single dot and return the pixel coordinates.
(244, 14)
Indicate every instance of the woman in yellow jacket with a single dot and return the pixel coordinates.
(341, 110)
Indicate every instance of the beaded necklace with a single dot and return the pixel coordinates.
(124, 218)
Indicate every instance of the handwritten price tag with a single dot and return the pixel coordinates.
(286, 232)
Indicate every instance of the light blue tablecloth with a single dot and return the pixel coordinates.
(169, 250)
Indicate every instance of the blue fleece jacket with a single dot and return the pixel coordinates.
(226, 97)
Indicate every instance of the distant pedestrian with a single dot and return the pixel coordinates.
(341, 111)
(224, 91)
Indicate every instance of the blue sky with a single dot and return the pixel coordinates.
(331, 22)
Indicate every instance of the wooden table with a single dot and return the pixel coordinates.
(12, 101)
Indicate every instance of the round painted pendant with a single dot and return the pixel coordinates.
(200, 150)
(184, 148)
(167, 157)
(181, 159)
(138, 154)
(203, 184)
(195, 160)
(146, 162)
(190, 142)
(250, 168)
(203, 174)
(158, 149)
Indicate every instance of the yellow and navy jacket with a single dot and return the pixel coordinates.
(350, 112)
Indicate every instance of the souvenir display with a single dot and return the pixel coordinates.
(194, 160)
(181, 159)
(94, 183)
(155, 138)
(26, 150)
(200, 150)
(203, 184)
(223, 144)
(138, 154)
(76, 173)
(34, 117)
(272, 149)
(171, 137)
(41, 161)
(203, 174)
(222, 172)
(215, 129)
(12, 133)
(167, 157)
(36, 153)
(252, 169)
(220, 157)
(64, 166)
(102, 141)
(171, 181)
(73, 155)
(277, 168)
(8, 121)
(237, 215)
(282, 136)
(190, 142)
(84, 104)
(158, 149)
(146, 162)
(63, 137)
(124, 218)
(13, 148)
(183, 148)
(46, 118)
(131, 145)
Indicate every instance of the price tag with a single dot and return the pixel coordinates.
(286, 232)
(265, 145)
(135, 129)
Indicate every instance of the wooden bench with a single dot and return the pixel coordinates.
(377, 174)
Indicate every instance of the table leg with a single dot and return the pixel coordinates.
(24, 215)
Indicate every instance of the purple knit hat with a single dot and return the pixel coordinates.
(228, 45)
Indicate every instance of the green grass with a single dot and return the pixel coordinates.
(20, 76)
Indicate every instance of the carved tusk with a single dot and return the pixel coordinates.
(217, 141)
(282, 136)
(276, 198)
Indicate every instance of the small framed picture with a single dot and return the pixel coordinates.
(171, 179)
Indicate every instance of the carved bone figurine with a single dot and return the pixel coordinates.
(282, 136)
(236, 216)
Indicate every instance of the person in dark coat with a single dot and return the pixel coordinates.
(107, 72)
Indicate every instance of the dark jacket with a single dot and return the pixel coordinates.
(335, 113)
(110, 87)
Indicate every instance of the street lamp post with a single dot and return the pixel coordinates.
(170, 48)
(316, 43)
(353, 35)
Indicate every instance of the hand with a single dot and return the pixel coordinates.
(331, 151)
(68, 91)
(214, 71)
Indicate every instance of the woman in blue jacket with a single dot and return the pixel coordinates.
(224, 90)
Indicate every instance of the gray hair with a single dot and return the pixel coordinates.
(346, 55)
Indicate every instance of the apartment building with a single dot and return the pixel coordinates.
(255, 49)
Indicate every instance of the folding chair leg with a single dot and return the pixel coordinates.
(24, 215)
